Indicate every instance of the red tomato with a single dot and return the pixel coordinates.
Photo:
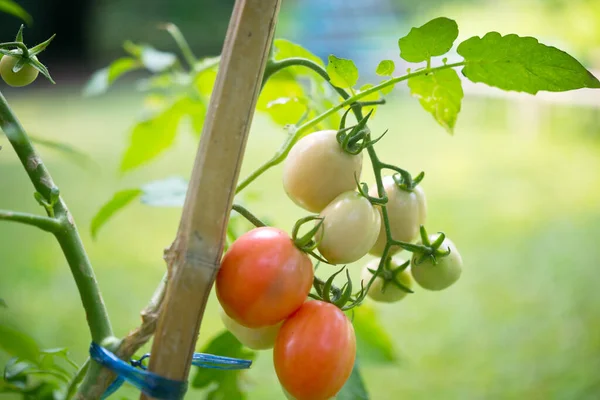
(263, 278)
(314, 351)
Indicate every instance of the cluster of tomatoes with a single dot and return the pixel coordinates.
(23, 77)
(266, 276)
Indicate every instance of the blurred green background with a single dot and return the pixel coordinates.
(517, 189)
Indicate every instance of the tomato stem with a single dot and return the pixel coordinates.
(244, 212)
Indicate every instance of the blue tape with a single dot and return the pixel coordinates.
(152, 384)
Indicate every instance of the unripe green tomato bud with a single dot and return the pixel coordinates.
(23, 77)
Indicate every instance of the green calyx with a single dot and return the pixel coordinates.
(390, 275)
(432, 251)
(355, 139)
(25, 55)
(306, 243)
(326, 291)
(405, 182)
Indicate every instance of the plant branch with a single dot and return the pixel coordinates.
(244, 212)
(45, 223)
(66, 233)
(302, 130)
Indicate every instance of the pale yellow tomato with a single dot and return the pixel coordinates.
(407, 211)
(441, 275)
(350, 228)
(253, 338)
(317, 170)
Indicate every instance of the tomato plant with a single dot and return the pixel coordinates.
(314, 351)
(265, 277)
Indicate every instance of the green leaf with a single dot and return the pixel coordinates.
(223, 384)
(440, 93)
(388, 89)
(373, 342)
(354, 388)
(3, 303)
(286, 49)
(18, 344)
(155, 60)
(103, 78)
(149, 138)
(168, 192)
(522, 64)
(119, 200)
(385, 68)
(342, 72)
(12, 8)
(435, 38)
(97, 84)
(283, 98)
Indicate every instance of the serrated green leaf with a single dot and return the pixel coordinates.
(522, 64)
(440, 93)
(151, 137)
(354, 388)
(286, 49)
(168, 192)
(372, 341)
(12, 8)
(18, 344)
(108, 210)
(435, 38)
(385, 68)
(155, 60)
(223, 384)
(342, 72)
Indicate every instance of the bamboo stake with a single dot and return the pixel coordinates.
(194, 256)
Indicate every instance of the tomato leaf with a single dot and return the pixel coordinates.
(12, 8)
(149, 138)
(522, 64)
(372, 341)
(18, 344)
(342, 72)
(168, 192)
(385, 68)
(155, 60)
(223, 384)
(354, 389)
(283, 99)
(286, 49)
(435, 38)
(119, 200)
(103, 78)
(440, 93)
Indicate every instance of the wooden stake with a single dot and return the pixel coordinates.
(195, 255)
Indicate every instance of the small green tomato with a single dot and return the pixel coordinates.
(445, 272)
(23, 77)
(387, 292)
(253, 338)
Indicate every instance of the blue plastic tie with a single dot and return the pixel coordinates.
(152, 384)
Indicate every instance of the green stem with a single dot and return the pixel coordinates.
(244, 212)
(45, 223)
(184, 46)
(284, 150)
(66, 234)
(76, 379)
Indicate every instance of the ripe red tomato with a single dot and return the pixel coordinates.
(314, 351)
(263, 278)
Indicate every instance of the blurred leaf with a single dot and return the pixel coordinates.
(286, 49)
(103, 78)
(75, 155)
(522, 64)
(205, 81)
(18, 344)
(3, 303)
(440, 93)
(97, 84)
(373, 342)
(62, 353)
(12, 8)
(155, 60)
(223, 384)
(121, 66)
(195, 109)
(282, 98)
(342, 72)
(152, 136)
(354, 389)
(370, 97)
(119, 200)
(168, 192)
(388, 89)
(435, 38)
(385, 68)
